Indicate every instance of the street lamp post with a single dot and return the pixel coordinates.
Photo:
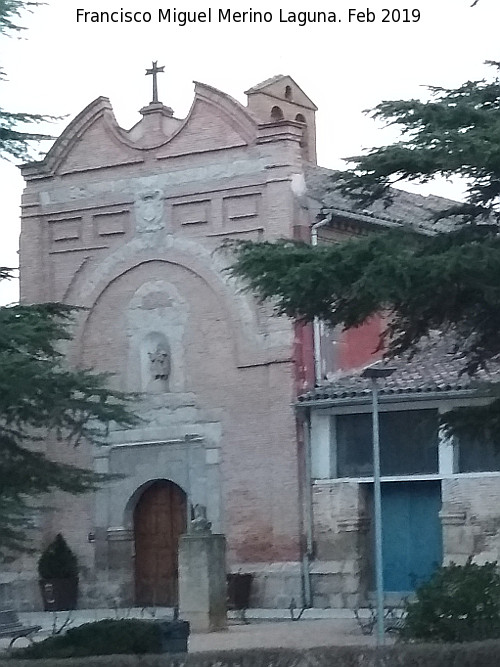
(374, 373)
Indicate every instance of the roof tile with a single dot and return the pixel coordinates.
(433, 368)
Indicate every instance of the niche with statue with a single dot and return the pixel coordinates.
(156, 363)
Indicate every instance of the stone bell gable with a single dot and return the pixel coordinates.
(281, 98)
(129, 224)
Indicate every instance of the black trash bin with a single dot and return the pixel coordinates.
(238, 590)
(174, 636)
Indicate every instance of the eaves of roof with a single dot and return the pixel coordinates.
(435, 370)
(391, 397)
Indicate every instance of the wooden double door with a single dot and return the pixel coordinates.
(159, 520)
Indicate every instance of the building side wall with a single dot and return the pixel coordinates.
(471, 518)
(341, 570)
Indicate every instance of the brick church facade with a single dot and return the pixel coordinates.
(129, 225)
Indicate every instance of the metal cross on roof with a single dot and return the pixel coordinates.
(155, 70)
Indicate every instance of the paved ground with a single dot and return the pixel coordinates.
(266, 628)
(268, 634)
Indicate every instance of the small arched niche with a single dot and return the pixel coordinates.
(277, 113)
(288, 93)
(300, 118)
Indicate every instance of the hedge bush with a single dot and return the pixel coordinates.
(477, 654)
(459, 603)
(106, 637)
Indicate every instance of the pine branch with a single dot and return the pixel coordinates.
(455, 133)
(450, 281)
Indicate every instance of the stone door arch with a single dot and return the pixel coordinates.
(159, 520)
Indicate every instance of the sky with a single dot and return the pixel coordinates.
(61, 64)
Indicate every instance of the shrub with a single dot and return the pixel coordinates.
(459, 603)
(100, 638)
(477, 654)
(58, 561)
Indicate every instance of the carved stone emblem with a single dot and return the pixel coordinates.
(77, 193)
(149, 211)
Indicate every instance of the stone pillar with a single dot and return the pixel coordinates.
(202, 579)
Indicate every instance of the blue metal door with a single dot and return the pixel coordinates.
(411, 533)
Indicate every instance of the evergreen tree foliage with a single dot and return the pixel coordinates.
(445, 282)
(16, 135)
(455, 133)
(444, 278)
(42, 399)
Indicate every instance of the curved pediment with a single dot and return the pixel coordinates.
(215, 121)
(93, 140)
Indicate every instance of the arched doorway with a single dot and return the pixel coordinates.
(159, 520)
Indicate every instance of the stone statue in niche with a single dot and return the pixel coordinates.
(159, 370)
(160, 364)
(149, 211)
(200, 523)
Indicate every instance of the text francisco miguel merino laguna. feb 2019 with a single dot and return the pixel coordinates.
(230, 16)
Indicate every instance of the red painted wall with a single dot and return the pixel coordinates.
(357, 347)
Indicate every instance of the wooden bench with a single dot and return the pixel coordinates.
(11, 626)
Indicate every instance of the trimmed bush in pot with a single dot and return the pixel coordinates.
(58, 572)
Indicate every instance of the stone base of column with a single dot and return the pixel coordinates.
(202, 581)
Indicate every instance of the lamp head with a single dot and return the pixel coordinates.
(377, 371)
